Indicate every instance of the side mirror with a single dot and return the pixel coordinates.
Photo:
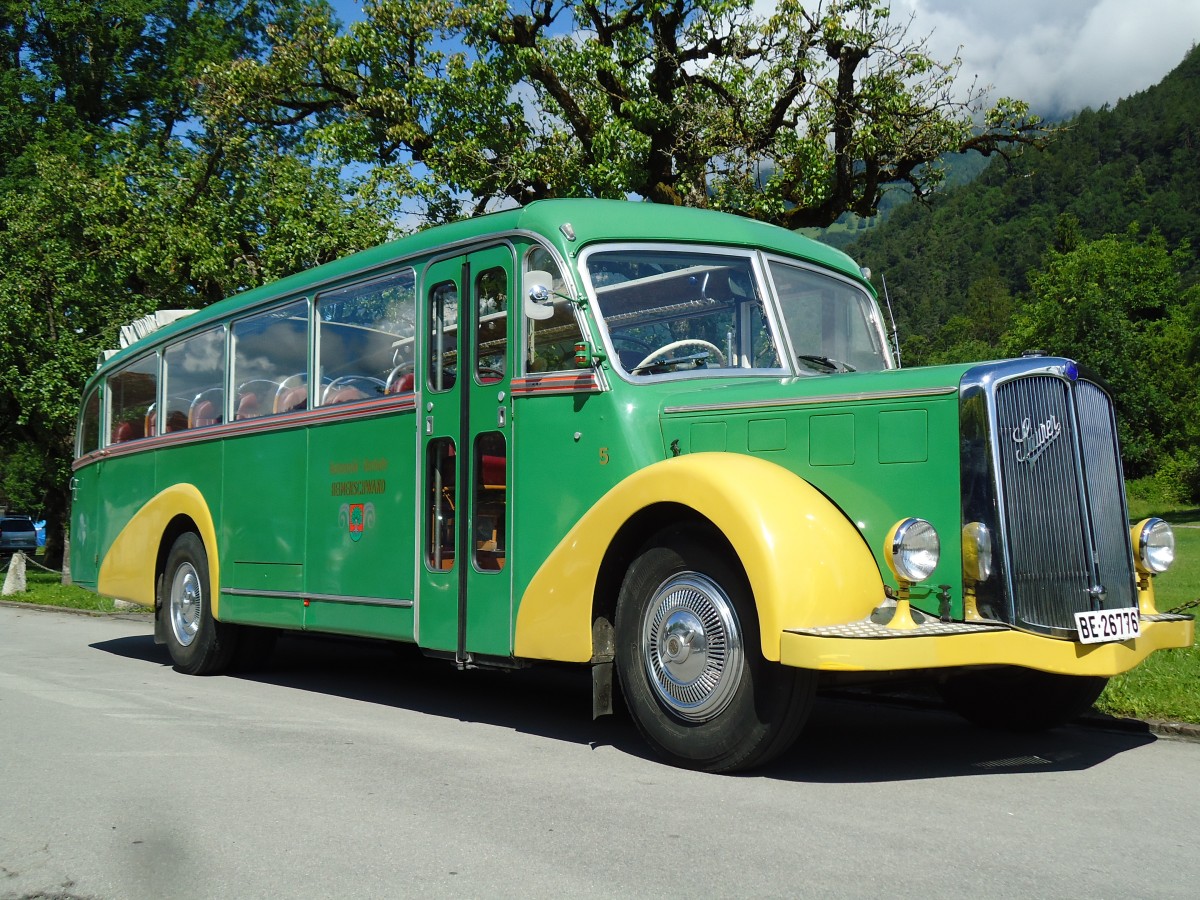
(539, 295)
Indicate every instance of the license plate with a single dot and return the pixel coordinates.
(1099, 626)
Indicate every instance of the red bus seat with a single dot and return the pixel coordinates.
(247, 407)
(128, 431)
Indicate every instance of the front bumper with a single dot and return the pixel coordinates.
(866, 647)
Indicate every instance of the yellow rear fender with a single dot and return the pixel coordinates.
(806, 563)
(127, 570)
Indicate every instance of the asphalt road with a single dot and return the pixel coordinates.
(348, 770)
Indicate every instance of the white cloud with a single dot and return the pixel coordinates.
(1060, 55)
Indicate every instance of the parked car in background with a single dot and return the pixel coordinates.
(17, 533)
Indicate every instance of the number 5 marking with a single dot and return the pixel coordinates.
(604, 456)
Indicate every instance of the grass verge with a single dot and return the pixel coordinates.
(1167, 685)
(47, 589)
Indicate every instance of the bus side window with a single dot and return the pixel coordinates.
(440, 475)
(550, 346)
(365, 340)
(443, 330)
(194, 374)
(491, 325)
(269, 349)
(89, 427)
(490, 498)
(132, 392)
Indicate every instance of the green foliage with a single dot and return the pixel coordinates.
(21, 471)
(1113, 305)
(1106, 169)
(109, 211)
(794, 117)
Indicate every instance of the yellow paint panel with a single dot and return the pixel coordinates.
(806, 563)
(127, 571)
(994, 647)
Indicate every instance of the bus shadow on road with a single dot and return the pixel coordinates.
(848, 738)
(139, 646)
(861, 740)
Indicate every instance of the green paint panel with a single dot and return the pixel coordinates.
(831, 440)
(359, 619)
(766, 434)
(265, 500)
(708, 436)
(266, 576)
(270, 612)
(904, 436)
(361, 495)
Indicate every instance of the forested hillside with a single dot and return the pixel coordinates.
(1137, 163)
(1090, 249)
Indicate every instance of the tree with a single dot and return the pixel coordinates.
(1117, 305)
(793, 118)
(108, 211)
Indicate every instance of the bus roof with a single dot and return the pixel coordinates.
(590, 221)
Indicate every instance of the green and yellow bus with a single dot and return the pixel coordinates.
(669, 444)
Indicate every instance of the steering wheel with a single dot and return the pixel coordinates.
(675, 345)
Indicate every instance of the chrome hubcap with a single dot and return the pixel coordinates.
(185, 604)
(692, 646)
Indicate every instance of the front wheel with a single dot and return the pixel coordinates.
(690, 665)
(1015, 699)
(198, 643)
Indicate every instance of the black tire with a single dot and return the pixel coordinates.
(199, 644)
(690, 665)
(1010, 698)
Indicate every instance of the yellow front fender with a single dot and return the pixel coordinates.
(127, 571)
(807, 564)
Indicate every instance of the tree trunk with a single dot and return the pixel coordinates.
(58, 505)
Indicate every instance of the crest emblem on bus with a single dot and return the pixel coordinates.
(356, 518)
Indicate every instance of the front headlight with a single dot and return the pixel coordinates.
(913, 550)
(1154, 542)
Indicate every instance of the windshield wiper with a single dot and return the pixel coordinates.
(665, 362)
(825, 363)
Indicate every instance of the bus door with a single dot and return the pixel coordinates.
(464, 602)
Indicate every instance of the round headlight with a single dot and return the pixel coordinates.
(977, 551)
(913, 550)
(1155, 546)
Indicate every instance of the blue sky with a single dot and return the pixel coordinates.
(1060, 55)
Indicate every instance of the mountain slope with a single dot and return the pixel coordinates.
(1135, 165)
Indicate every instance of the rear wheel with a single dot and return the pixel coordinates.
(1016, 699)
(690, 664)
(198, 643)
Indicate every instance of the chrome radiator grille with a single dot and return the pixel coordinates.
(1052, 490)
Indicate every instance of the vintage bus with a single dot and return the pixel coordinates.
(669, 444)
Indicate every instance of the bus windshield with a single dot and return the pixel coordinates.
(704, 312)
